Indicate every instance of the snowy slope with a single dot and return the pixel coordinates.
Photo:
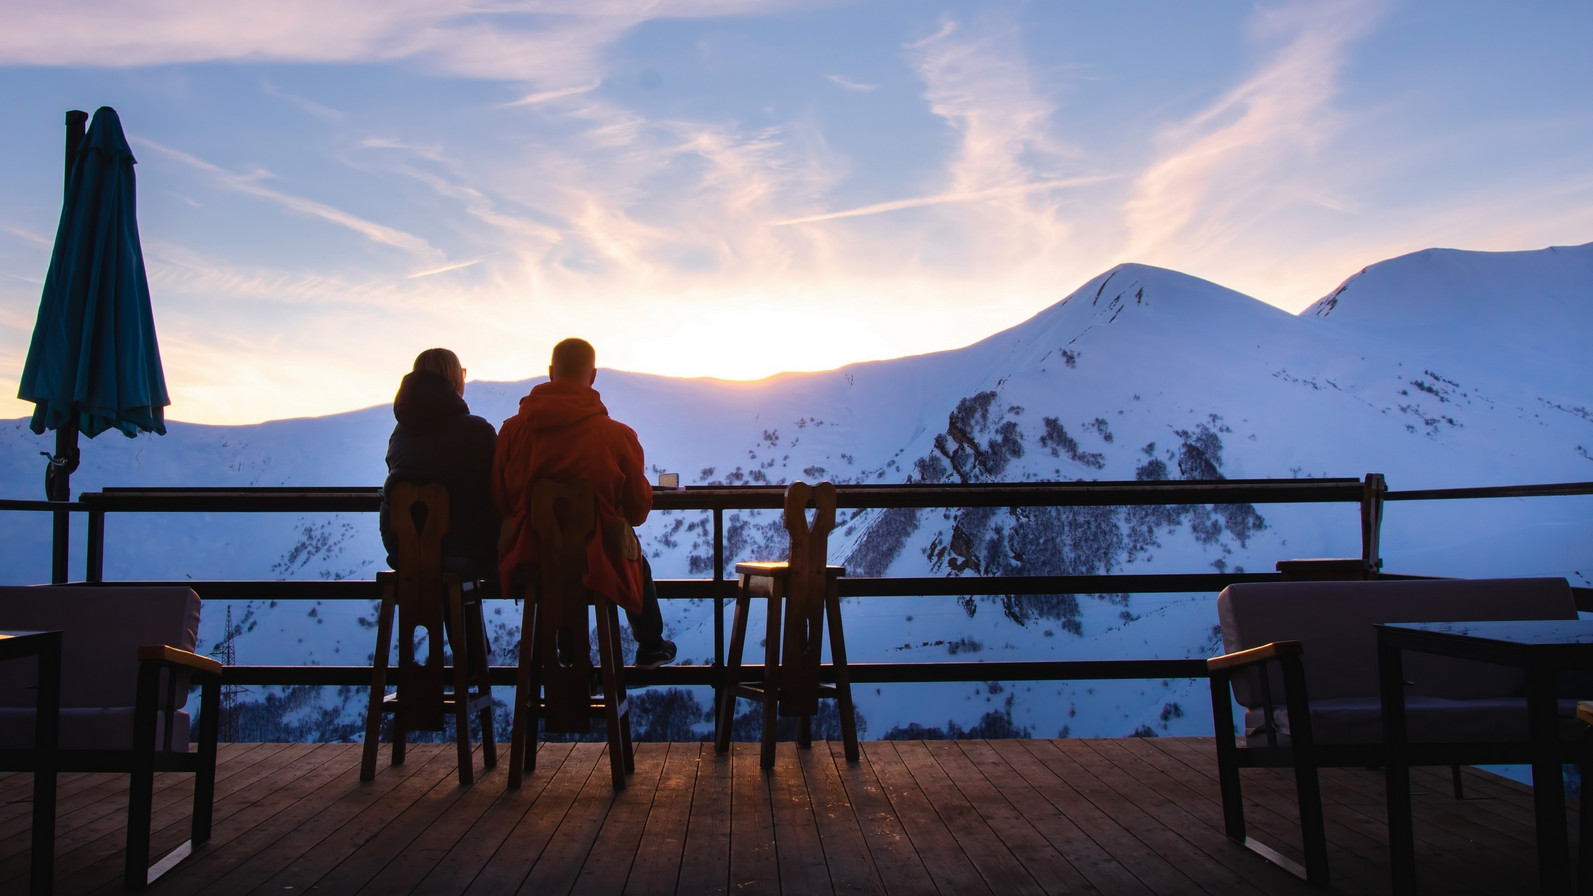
(1438, 369)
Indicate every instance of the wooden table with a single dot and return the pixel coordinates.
(1542, 648)
(45, 648)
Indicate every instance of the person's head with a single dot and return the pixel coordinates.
(574, 360)
(445, 364)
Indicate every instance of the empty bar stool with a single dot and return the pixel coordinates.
(801, 593)
(421, 592)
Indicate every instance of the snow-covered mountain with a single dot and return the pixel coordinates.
(1438, 369)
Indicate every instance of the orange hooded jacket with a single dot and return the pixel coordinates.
(563, 431)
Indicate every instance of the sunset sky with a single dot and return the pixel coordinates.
(735, 188)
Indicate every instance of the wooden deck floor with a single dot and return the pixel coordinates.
(1011, 816)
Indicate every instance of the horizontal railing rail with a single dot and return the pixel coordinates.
(1370, 493)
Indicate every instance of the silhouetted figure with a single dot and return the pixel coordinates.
(564, 432)
(437, 439)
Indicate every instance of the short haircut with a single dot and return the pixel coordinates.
(444, 363)
(572, 357)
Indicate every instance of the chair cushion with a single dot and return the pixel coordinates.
(109, 728)
(1428, 719)
(1334, 621)
(104, 627)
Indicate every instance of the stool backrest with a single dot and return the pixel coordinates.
(419, 519)
(564, 517)
(803, 639)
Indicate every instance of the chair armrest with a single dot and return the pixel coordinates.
(164, 654)
(1272, 651)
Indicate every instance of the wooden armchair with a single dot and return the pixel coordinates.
(420, 592)
(127, 663)
(555, 675)
(801, 592)
(1302, 662)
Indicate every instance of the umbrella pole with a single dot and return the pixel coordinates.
(58, 475)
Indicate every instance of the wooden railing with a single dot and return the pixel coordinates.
(1369, 494)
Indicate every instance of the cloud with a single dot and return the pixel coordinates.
(325, 113)
(249, 184)
(545, 96)
(944, 198)
(849, 84)
(1249, 152)
(443, 269)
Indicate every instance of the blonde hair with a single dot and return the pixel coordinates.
(444, 363)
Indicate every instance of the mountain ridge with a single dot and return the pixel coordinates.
(1140, 373)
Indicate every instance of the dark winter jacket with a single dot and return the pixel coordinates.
(437, 439)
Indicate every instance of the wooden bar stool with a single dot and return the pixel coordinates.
(421, 592)
(556, 684)
(801, 593)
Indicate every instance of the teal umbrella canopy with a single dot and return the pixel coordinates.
(94, 362)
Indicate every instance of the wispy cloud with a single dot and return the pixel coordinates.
(326, 113)
(849, 84)
(1246, 153)
(443, 269)
(250, 184)
(545, 96)
(944, 198)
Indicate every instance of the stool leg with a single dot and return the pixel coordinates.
(483, 672)
(732, 675)
(607, 653)
(524, 692)
(457, 639)
(373, 712)
(843, 678)
(771, 672)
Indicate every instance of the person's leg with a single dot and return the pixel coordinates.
(647, 626)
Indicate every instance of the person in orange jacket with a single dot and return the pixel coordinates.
(563, 431)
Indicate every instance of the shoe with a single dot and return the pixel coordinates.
(653, 657)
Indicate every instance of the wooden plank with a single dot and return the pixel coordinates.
(1354, 826)
(947, 866)
(983, 845)
(656, 867)
(519, 851)
(315, 806)
(1049, 844)
(1184, 812)
(97, 829)
(458, 867)
(900, 870)
(754, 867)
(1115, 816)
(1008, 765)
(298, 790)
(798, 850)
(702, 860)
(618, 839)
(318, 847)
(1110, 790)
(172, 817)
(380, 837)
(1153, 871)
(1353, 797)
(571, 843)
(1272, 816)
(846, 855)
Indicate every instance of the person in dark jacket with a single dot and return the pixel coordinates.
(437, 439)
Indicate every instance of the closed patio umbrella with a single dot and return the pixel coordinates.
(94, 364)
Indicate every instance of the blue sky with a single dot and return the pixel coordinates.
(739, 187)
